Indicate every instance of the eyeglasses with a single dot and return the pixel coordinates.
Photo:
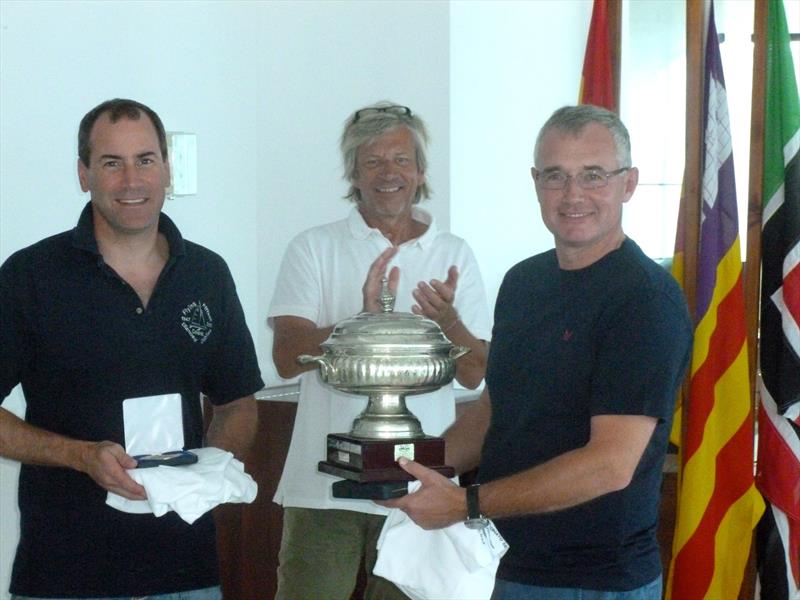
(402, 111)
(590, 179)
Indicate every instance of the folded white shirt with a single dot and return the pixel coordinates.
(440, 564)
(190, 490)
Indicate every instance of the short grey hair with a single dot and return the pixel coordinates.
(372, 124)
(573, 119)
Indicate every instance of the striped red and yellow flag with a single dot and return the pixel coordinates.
(718, 504)
(597, 77)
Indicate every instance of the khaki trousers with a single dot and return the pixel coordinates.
(322, 552)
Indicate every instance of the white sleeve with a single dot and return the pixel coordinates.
(470, 300)
(298, 287)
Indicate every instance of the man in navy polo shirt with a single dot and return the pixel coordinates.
(119, 307)
(591, 341)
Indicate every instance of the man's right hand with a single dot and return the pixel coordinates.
(372, 285)
(105, 462)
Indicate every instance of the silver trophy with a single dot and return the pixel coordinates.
(385, 356)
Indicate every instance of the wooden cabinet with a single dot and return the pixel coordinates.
(249, 535)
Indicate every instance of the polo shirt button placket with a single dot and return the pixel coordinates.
(139, 310)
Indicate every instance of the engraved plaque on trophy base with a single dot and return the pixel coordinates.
(370, 467)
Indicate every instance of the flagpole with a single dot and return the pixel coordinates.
(752, 272)
(614, 38)
(752, 267)
(690, 209)
(692, 182)
(692, 177)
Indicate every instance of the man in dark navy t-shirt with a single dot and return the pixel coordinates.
(119, 307)
(591, 341)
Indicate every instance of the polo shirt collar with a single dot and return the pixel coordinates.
(361, 231)
(83, 233)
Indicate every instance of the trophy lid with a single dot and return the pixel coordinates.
(387, 327)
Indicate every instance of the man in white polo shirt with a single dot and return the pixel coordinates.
(330, 273)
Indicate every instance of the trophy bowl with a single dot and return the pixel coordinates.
(387, 356)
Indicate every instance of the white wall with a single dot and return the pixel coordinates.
(266, 87)
(341, 55)
(512, 64)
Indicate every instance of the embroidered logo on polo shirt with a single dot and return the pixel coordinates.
(196, 320)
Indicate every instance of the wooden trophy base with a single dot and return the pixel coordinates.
(369, 466)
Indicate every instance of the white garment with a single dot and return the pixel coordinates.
(440, 564)
(320, 279)
(190, 490)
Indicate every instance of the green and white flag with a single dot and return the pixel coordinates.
(778, 474)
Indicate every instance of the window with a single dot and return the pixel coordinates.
(653, 101)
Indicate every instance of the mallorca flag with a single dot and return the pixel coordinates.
(778, 476)
(718, 504)
(597, 77)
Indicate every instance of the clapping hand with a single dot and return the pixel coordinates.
(435, 299)
(373, 284)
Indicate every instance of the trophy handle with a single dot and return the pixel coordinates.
(326, 369)
(307, 358)
(458, 351)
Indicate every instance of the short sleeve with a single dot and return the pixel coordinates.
(233, 371)
(298, 286)
(470, 301)
(642, 357)
(15, 336)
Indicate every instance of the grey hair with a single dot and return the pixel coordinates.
(370, 126)
(573, 119)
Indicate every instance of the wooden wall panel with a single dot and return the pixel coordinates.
(249, 535)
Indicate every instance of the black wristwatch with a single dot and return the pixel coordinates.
(475, 519)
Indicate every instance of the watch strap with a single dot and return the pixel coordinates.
(473, 502)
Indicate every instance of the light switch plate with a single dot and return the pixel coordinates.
(182, 151)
